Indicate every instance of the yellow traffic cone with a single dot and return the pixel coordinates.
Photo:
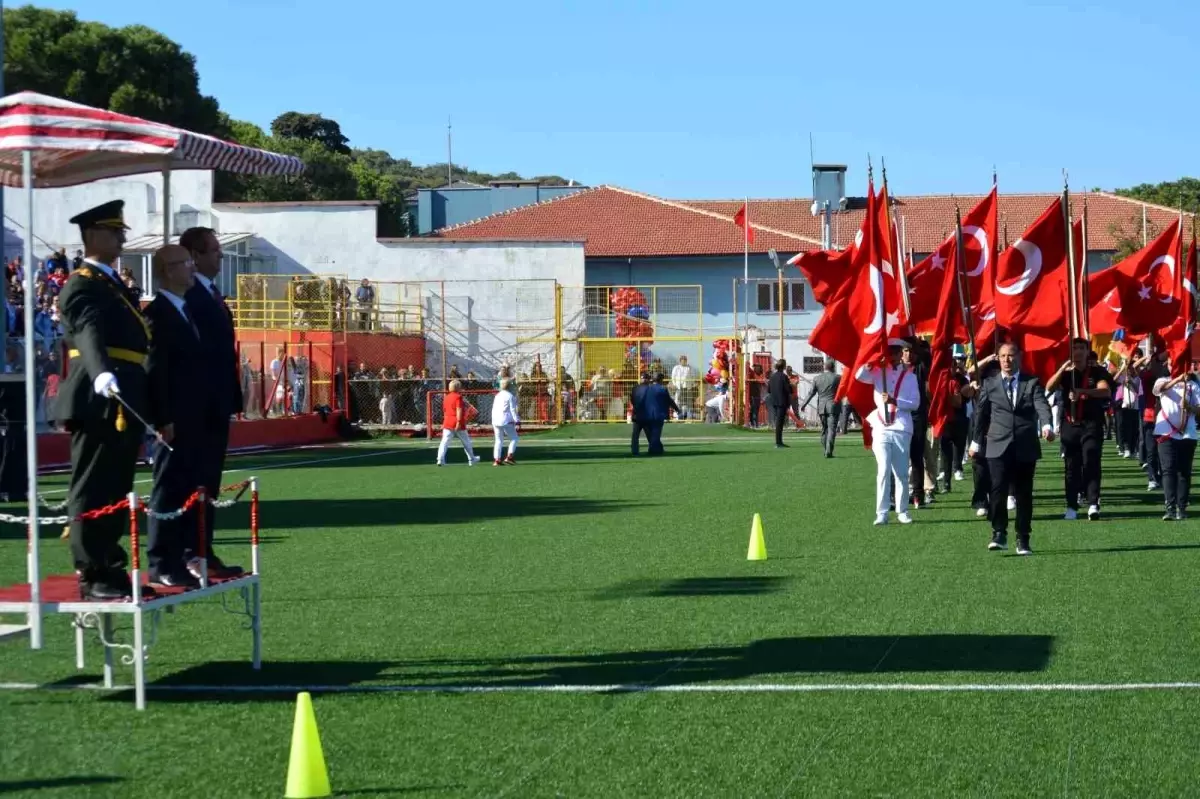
(758, 547)
(307, 777)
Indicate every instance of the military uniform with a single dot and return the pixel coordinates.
(105, 333)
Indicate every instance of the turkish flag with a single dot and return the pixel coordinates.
(1149, 292)
(742, 220)
(1031, 279)
(826, 271)
(947, 329)
(925, 280)
(855, 326)
(1179, 333)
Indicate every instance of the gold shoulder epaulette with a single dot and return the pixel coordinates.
(86, 271)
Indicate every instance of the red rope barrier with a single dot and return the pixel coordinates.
(201, 526)
(254, 517)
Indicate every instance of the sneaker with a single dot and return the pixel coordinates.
(999, 541)
(474, 460)
(1152, 486)
(441, 463)
(1126, 454)
(880, 519)
(980, 512)
(1093, 513)
(1071, 514)
(1169, 515)
(904, 518)
(496, 462)
(959, 475)
(1181, 516)
(1023, 547)
(1012, 503)
(509, 461)
(929, 497)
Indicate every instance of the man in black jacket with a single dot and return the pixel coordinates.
(107, 341)
(779, 395)
(215, 323)
(179, 398)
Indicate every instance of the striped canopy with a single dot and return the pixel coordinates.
(73, 144)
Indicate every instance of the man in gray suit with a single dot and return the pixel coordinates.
(825, 388)
(1010, 410)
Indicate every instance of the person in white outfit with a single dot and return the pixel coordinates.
(454, 425)
(896, 395)
(504, 423)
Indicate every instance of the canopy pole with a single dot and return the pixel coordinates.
(166, 205)
(31, 459)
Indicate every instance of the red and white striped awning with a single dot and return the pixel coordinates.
(73, 144)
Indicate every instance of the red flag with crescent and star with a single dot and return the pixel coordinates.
(1031, 278)
(1179, 333)
(925, 280)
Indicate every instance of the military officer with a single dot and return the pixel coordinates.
(107, 341)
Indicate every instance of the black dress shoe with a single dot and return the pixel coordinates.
(102, 591)
(181, 578)
(999, 540)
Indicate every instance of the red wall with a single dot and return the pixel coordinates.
(377, 350)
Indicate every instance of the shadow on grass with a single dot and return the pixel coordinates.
(401, 511)
(1119, 549)
(837, 654)
(695, 586)
(51, 783)
(399, 791)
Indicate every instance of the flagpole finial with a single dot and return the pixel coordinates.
(1065, 180)
(993, 176)
(870, 168)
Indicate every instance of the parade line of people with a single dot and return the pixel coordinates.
(1001, 416)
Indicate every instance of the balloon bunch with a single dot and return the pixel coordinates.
(632, 311)
(719, 365)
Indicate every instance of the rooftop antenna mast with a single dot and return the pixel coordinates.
(449, 155)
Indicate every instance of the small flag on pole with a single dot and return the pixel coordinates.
(742, 220)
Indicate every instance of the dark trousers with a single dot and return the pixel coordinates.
(829, 427)
(983, 484)
(1009, 474)
(212, 464)
(654, 436)
(755, 405)
(1150, 452)
(103, 462)
(1128, 430)
(1082, 445)
(952, 443)
(1176, 456)
(780, 419)
(177, 474)
(916, 457)
(635, 441)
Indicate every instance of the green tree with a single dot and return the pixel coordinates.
(132, 70)
(1129, 235)
(311, 127)
(1169, 194)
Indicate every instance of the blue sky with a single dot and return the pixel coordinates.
(717, 99)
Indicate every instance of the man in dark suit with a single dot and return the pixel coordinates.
(107, 341)
(779, 395)
(639, 411)
(179, 399)
(659, 405)
(221, 368)
(825, 388)
(1010, 410)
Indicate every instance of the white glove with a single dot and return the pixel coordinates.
(106, 384)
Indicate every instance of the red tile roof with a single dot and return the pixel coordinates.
(616, 222)
(929, 220)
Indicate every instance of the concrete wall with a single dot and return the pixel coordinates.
(439, 208)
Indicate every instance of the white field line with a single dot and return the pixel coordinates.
(718, 688)
(391, 448)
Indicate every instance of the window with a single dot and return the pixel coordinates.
(813, 364)
(793, 296)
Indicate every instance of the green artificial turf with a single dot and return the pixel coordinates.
(583, 567)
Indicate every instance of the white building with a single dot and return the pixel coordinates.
(478, 292)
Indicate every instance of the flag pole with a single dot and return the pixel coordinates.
(1072, 287)
(1085, 304)
(898, 244)
(997, 248)
(964, 291)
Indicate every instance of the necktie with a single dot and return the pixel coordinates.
(1012, 390)
(187, 313)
